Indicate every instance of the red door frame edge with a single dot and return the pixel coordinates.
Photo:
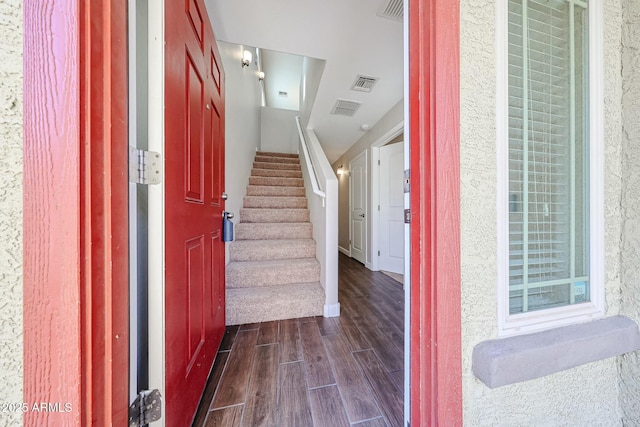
(75, 297)
(434, 120)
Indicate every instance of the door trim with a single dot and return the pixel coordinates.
(434, 109)
(75, 212)
(364, 153)
(375, 189)
(156, 254)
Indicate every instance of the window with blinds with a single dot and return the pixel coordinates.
(548, 154)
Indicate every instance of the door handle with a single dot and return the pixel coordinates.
(228, 215)
(362, 215)
(224, 196)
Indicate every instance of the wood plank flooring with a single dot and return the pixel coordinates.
(315, 371)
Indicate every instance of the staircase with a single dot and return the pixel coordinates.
(273, 273)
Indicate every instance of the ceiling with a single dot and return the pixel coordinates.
(348, 34)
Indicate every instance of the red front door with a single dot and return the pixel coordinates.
(194, 182)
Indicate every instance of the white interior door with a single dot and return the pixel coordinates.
(358, 179)
(391, 243)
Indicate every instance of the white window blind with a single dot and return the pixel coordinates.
(548, 154)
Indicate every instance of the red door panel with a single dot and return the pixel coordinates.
(194, 181)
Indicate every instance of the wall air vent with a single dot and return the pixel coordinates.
(364, 83)
(345, 108)
(392, 9)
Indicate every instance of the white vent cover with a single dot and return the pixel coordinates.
(364, 83)
(392, 9)
(345, 108)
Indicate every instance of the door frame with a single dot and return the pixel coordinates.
(376, 250)
(75, 212)
(364, 153)
(434, 138)
(375, 190)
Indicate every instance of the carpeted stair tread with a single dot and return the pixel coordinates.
(275, 202)
(270, 190)
(247, 274)
(258, 250)
(283, 173)
(262, 304)
(273, 215)
(273, 273)
(270, 231)
(273, 159)
(277, 166)
(276, 181)
(273, 154)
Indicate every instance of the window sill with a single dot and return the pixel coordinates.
(511, 360)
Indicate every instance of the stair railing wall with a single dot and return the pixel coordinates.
(321, 186)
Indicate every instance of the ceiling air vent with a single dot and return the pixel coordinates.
(364, 83)
(345, 108)
(392, 9)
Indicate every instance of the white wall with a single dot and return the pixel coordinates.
(11, 160)
(586, 395)
(242, 123)
(279, 133)
(324, 217)
(391, 119)
(630, 253)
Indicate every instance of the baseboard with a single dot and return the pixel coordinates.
(347, 252)
(332, 310)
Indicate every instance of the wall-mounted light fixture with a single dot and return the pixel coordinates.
(246, 58)
(340, 170)
(261, 75)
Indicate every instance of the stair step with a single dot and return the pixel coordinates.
(268, 231)
(273, 215)
(270, 190)
(273, 159)
(276, 181)
(259, 250)
(249, 274)
(275, 202)
(278, 166)
(267, 303)
(273, 154)
(285, 173)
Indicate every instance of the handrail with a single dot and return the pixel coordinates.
(314, 178)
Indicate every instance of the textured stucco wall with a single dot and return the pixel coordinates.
(589, 394)
(630, 257)
(10, 207)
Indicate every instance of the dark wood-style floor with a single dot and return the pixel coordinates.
(315, 371)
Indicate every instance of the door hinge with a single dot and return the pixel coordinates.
(378, 208)
(146, 409)
(378, 253)
(407, 216)
(144, 166)
(407, 181)
(378, 162)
